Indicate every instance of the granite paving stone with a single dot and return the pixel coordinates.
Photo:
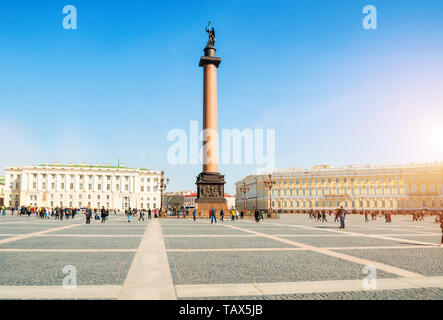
(426, 261)
(46, 269)
(251, 267)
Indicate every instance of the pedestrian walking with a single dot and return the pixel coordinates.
(149, 213)
(129, 215)
(194, 214)
(341, 214)
(222, 215)
(213, 215)
(88, 214)
(336, 216)
(142, 216)
(103, 214)
(257, 215)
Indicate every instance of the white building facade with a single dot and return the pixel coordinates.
(75, 186)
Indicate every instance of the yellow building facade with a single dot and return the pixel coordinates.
(399, 188)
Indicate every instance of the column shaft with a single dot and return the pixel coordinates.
(210, 158)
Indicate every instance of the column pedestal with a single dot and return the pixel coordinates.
(210, 193)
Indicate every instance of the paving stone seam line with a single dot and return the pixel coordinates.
(80, 235)
(277, 288)
(57, 292)
(66, 250)
(212, 290)
(294, 249)
(362, 234)
(34, 234)
(290, 235)
(378, 265)
(149, 276)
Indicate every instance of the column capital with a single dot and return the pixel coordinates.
(205, 60)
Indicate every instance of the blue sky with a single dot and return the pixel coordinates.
(334, 92)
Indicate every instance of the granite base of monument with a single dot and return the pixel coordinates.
(210, 193)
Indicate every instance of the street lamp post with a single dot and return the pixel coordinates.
(256, 193)
(269, 183)
(244, 189)
(163, 183)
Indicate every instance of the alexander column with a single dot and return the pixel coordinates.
(210, 183)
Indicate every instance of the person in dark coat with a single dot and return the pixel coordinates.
(103, 214)
(88, 215)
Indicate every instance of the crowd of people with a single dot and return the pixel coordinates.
(321, 215)
(141, 213)
(60, 213)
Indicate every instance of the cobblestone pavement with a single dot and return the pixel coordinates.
(289, 258)
(404, 294)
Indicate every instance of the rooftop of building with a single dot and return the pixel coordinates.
(85, 165)
(327, 169)
(321, 167)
